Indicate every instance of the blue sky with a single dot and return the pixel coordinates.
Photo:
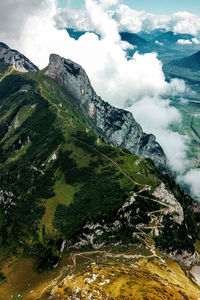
(153, 6)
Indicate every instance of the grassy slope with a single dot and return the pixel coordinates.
(54, 198)
(32, 130)
(116, 278)
(3, 69)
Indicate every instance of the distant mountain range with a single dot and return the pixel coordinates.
(170, 37)
(143, 38)
(187, 68)
(191, 62)
(133, 39)
(163, 42)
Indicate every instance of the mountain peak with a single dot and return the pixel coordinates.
(116, 126)
(14, 58)
(2, 45)
(56, 63)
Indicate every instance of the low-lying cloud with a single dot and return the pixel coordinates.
(193, 41)
(135, 21)
(192, 179)
(132, 20)
(156, 115)
(137, 84)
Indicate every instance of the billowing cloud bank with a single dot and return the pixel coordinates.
(137, 84)
(132, 20)
(135, 21)
(192, 180)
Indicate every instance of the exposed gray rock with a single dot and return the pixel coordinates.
(185, 258)
(17, 60)
(116, 126)
(168, 199)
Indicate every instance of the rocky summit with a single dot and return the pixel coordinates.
(116, 126)
(15, 59)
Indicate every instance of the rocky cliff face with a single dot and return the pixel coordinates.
(116, 126)
(17, 60)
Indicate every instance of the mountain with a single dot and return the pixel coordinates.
(187, 68)
(152, 35)
(116, 126)
(140, 44)
(76, 34)
(9, 57)
(191, 62)
(79, 215)
(133, 39)
(170, 37)
(159, 40)
(167, 45)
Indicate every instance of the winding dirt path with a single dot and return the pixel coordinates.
(7, 74)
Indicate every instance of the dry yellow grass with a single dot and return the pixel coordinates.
(141, 279)
(146, 280)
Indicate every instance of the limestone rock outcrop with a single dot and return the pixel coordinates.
(115, 125)
(17, 60)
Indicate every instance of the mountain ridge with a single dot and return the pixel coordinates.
(117, 126)
(191, 62)
(186, 68)
(15, 59)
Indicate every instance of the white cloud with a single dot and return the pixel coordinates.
(30, 28)
(156, 115)
(163, 114)
(184, 22)
(13, 15)
(159, 43)
(73, 18)
(103, 24)
(194, 41)
(176, 147)
(134, 20)
(126, 46)
(192, 179)
(184, 42)
(129, 79)
(177, 86)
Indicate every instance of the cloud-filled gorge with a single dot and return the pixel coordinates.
(137, 84)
